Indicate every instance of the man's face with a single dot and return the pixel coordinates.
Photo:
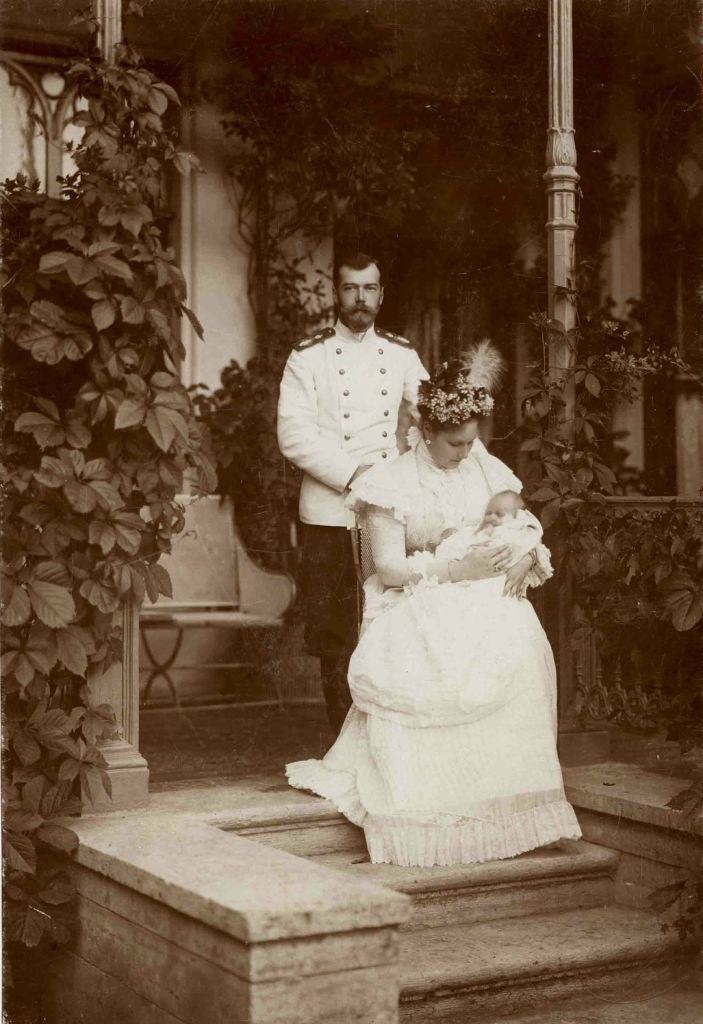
(359, 296)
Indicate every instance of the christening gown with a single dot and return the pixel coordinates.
(448, 753)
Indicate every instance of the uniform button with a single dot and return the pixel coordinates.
(338, 351)
(347, 437)
(383, 369)
(386, 412)
(385, 433)
(346, 394)
(383, 391)
(384, 455)
(380, 351)
(341, 373)
(346, 415)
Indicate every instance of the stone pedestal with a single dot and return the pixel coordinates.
(119, 687)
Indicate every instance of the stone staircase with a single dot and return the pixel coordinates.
(489, 940)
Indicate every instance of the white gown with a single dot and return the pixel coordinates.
(448, 754)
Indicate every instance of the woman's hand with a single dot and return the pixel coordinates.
(480, 563)
(515, 577)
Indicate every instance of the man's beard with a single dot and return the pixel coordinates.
(357, 319)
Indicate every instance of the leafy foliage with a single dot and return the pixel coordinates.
(241, 419)
(98, 433)
(637, 570)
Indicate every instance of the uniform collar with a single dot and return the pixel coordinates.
(343, 332)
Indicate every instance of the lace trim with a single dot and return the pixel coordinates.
(470, 842)
(542, 569)
(442, 839)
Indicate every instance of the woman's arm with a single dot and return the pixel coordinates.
(395, 569)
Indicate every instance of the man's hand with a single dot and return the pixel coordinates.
(515, 577)
(357, 473)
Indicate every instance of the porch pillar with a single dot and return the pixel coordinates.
(561, 180)
(562, 185)
(119, 686)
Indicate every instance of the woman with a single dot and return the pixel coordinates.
(451, 786)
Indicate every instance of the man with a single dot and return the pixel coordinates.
(341, 393)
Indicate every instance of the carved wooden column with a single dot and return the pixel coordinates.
(561, 180)
(562, 185)
(119, 687)
(109, 15)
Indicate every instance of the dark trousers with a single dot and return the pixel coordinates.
(330, 603)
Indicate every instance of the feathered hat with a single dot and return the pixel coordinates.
(461, 389)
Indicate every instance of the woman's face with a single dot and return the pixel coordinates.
(450, 445)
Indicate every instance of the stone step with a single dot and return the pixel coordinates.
(306, 832)
(652, 1004)
(477, 972)
(567, 875)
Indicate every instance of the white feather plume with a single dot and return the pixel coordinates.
(485, 364)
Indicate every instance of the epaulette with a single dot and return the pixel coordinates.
(397, 339)
(314, 339)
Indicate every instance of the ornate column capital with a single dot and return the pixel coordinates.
(561, 147)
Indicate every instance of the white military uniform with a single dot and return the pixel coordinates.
(338, 409)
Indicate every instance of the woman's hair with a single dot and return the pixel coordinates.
(450, 398)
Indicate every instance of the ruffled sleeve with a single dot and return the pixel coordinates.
(385, 488)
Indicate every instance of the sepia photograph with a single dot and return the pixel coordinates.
(352, 511)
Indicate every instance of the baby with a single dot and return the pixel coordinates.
(506, 521)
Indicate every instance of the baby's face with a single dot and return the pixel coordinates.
(500, 508)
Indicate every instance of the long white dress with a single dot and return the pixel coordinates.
(453, 759)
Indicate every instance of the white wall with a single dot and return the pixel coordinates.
(623, 265)
(212, 255)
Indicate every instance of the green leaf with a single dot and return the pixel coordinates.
(81, 497)
(683, 600)
(543, 494)
(46, 432)
(103, 534)
(592, 384)
(128, 536)
(32, 793)
(164, 425)
(132, 310)
(26, 747)
(59, 890)
(185, 163)
(115, 268)
(100, 596)
(198, 328)
(78, 435)
(53, 604)
(19, 852)
(22, 820)
(54, 472)
(163, 580)
(52, 572)
(108, 497)
(130, 414)
(132, 221)
(53, 262)
(157, 101)
(80, 270)
(57, 836)
(103, 314)
(33, 926)
(17, 609)
(550, 513)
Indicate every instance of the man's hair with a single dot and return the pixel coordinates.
(355, 260)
